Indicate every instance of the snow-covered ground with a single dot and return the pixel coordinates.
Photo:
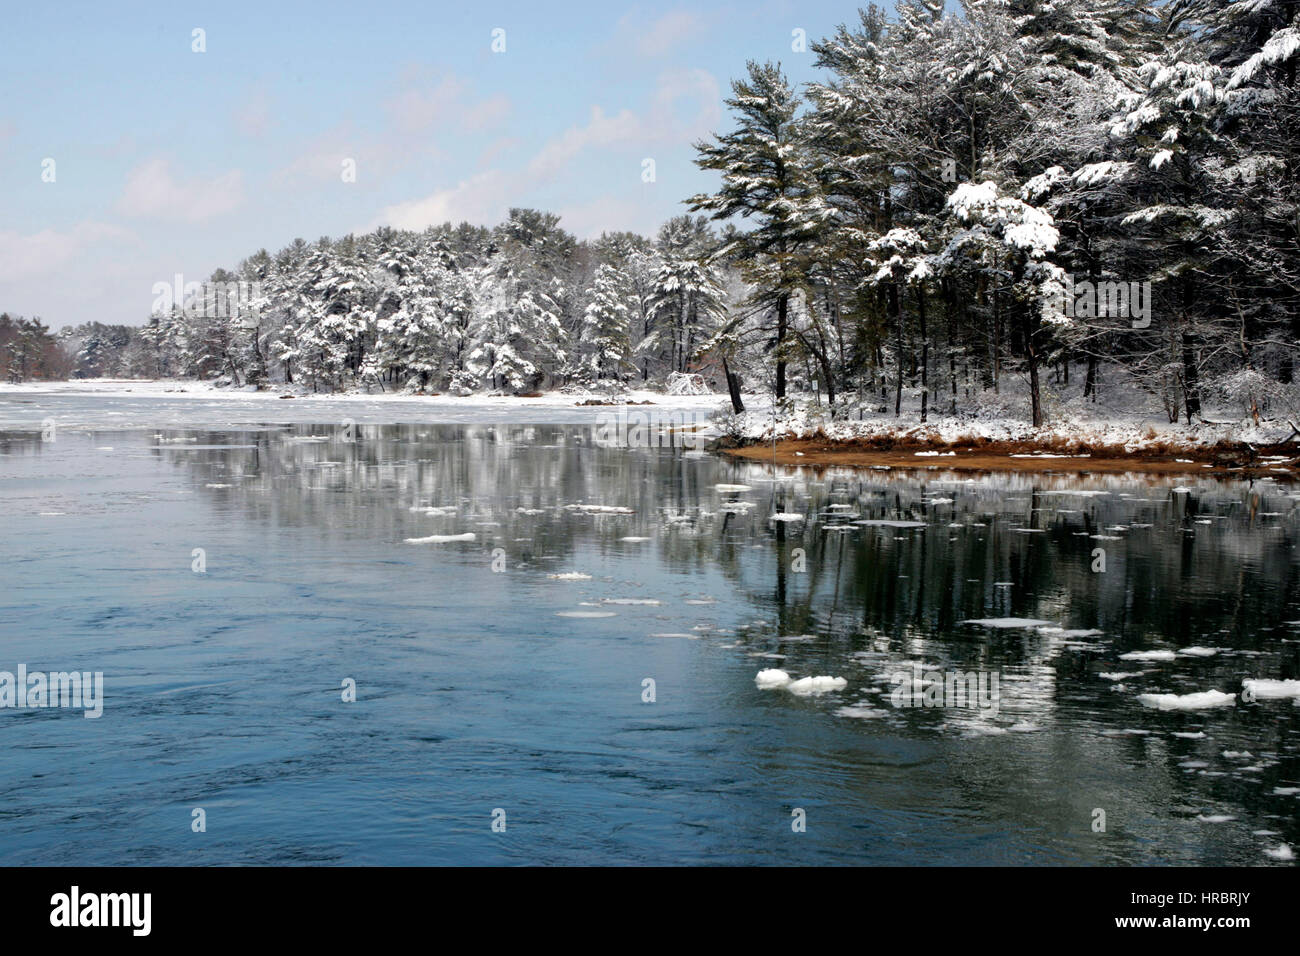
(130, 403)
(1123, 417)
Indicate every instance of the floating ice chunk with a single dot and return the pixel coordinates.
(935, 454)
(890, 523)
(689, 637)
(1070, 634)
(633, 540)
(731, 488)
(772, 677)
(217, 484)
(600, 509)
(1196, 701)
(786, 516)
(1280, 852)
(442, 538)
(1262, 689)
(631, 601)
(1115, 675)
(1006, 622)
(1197, 651)
(862, 712)
(1148, 656)
(816, 685)
(1189, 734)
(570, 576)
(1286, 791)
(1214, 817)
(1182, 491)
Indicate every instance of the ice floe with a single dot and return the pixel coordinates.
(1195, 701)
(1263, 689)
(1148, 656)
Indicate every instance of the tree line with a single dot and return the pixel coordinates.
(996, 197)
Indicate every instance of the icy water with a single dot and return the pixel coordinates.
(508, 672)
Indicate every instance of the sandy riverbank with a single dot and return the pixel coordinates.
(1229, 459)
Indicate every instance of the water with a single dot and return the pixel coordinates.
(475, 691)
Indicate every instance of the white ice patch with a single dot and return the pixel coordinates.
(570, 576)
(1198, 651)
(816, 685)
(1196, 701)
(1007, 622)
(862, 712)
(1148, 656)
(1262, 689)
(442, 538)
(773, 677)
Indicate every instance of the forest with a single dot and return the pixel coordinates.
(996, 197)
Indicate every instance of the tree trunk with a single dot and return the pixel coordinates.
(1027, 323)
(782, 321)
(925, 356)
(733, 387)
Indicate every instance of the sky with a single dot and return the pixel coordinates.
(128, 157)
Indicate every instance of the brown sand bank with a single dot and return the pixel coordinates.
(1224, 460)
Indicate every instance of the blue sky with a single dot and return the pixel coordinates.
(170, 161)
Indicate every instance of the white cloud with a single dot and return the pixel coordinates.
(253, 118)
(482, 198)
(48, 251)
(685, 105)
(602, 131)
(153, 192)
(420, 106)
(668, 32)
